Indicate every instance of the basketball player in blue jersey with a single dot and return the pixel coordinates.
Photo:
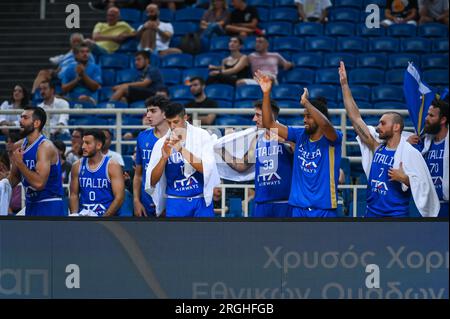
(36, 164)
(143, 203)
(317, 155)
(185, 196)
(272, 158)
(97, 185)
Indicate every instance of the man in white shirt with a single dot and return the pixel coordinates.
(313, 10)
(155, 35)
(106, 151)
(51, 102)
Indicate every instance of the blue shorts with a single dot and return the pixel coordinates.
(370, 214)
(308, 212)
(188, 207)
(51, 208)
(147, 202)
(272, 210)
(443, 212)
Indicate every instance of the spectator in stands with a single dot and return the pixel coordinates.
(243, 20)
(265, 61)
(163, 91)
(233, 68)
(433, 11)
(197, 86)
(82, 79)
(107, 36)
(154, 34)
(15, 205)
(400, 11)
(75, 152)
(106, 151)
(51, 102)
(134, 133)
(65, 166)
(19, 99)
(313, 10)
(147, 81)
(215, 18)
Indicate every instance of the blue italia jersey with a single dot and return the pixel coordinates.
(316, 170)
(273, 171)
(177, 183)
(53, 188)
(384, 197)
(95, 187)
(146, 140)
(435, 162)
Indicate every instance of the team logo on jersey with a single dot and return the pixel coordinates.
(379, 187)
(269, 179)
(99, 209)
(307, 165)
(186, 183)
(437, 180)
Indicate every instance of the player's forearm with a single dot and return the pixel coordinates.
(115, 206)
(267, 117)
(33, 178)
(350, 104)
(158, 171)
(137, 181)
(74, 203)
(234, 163)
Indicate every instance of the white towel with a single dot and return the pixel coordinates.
(199, 143)
(5, 196)
(414, 165)
(84, 213)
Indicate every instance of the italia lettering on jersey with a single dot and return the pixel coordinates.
(435, 162)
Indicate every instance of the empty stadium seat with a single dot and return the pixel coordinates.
(189, 14)
(291, 44)
(299, 76)
(194, 72)
(400, 60)
(416, 45)
(112, 105)
(402, 30)
(440, 45)
(344, 29)
(288, 104)
(181, 28)
(171, 76)
(232, 120)
(278, 29)
(363, 31)
(248, 92)
(372, 60)
(327, 76)
(308, 29)
(178, 92)
(433, 30)
(105, 93)
(379, 3)
(390, 105)
(220, 92)
(311, 60)
(128, 46)
(434, 61)
(284, 3)
(130, 15)
(332, 60)
(320, 44)
(165, 14)
(108, 77)
(243, 104)
(249, 44)
(203, 60)
(114, 61)
(395, 76)
(347, 4)
(284, 14)
(263, 14)
(344, 14)
(182, 61)
(361, 93)
(225, 104)
(352, 44)
(384, 44)
(387, 93)
(260, 3)
(219, 43)
(287, 92)
(125, 76)
(366, 76)
(436, 77)
(329, 92)
(137, 105)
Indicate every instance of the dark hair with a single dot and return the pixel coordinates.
(79, 129)
(442, 105)
(159, 101)
(397, 118)
(26, 95)
(197, 78)
(38, 115)
(241, 42)
(97, 134)
(273, 105)
(4, 158)
(78, 48)
(51, 84)
(262, 36)
(61, 147)
(320, 103)
(145, 54)
(163, 89)
(175, 109)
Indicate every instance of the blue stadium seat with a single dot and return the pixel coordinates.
(130, 15)
(126, 210)
(440, 45)
(203, 60)
(114, 61)
(400, 60)
(108, 77)
(220, 92)
(347, 4)
(387, 93)
(384, 44)
(352, 44)
(332, 60)
(338, 29)
(194, 72)
(327, 76)
(232, 120)
(171, 76)
(288, 104)
(434, 61)
(329, 92)
(308, 29)
(182, 61)
(280, 29)
(165, 14)
(436, 77)
(379, 3)
(249, 44)
(263, 14)
(243, 104)
(287, 92)
(299, 76)
(80, 105)
(372, 60)
(416, 45)
(361, 93)
(433, 30)
(291, 44)
(128, 75)
(260, 3)
(366, 76)
(311, 60)
(284, 14)
(219, 43)
(112, 105)
(390, 105)
(395, 76)
(105, 93)
(402, 30)
(225, 104)
(132, 119)
(284, 3)
(181, 28)
(248, 92)
(137, 105)
(180, 92)
(320, 44)
(128, 46)
(344, 14)
(363, 31)
(189, 14)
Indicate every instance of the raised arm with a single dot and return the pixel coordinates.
(265, 82)
(321, 120)
(74, 200)
(118, 188)
(353, 112)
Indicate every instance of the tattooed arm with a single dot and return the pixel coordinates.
(353, 112)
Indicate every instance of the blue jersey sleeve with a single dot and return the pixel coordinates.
(138, 160)
(294, 133)
(338, 141)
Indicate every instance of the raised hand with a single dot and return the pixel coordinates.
(305, 96)
(342, 74)
(166, 149)
(264, 80)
